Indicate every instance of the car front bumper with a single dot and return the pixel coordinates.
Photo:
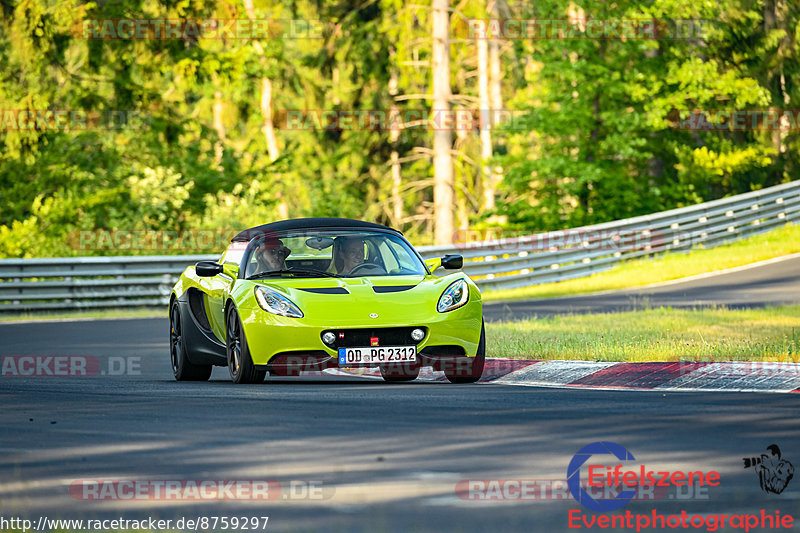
(273, 338)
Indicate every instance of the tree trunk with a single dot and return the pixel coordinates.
(394, 136)
(775, 19)
(268, 129)
(397, 198)
(485, 123)
(397, 181)
(495, 94)
(218, 110)
(266, 111)
(495, 76)
(442, 137)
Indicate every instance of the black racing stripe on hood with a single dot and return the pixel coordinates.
(392, 288)
(326, 290)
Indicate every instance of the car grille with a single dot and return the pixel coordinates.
(360, 338)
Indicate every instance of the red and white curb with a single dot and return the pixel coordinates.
(736, 376)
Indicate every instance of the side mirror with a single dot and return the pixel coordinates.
(207, 269)
(449, 261)
(452, 261)
(433, 263)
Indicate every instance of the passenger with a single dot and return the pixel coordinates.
(348, 253)
(271, 255)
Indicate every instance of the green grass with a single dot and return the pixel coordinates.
(771, 334)
(112, 313)
(669, 266)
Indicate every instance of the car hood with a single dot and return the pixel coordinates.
(390, 297)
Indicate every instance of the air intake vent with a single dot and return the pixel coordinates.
(327, 290)
(392, 288)
(198, 307)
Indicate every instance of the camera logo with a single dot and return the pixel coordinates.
(774, 472)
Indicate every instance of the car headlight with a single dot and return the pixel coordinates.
(274, 302)
(454, 296)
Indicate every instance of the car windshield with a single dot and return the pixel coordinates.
(319, 253)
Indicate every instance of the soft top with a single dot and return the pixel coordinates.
(308, 223)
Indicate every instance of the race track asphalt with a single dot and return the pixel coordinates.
(381, 457)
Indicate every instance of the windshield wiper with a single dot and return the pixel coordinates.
(305, 272)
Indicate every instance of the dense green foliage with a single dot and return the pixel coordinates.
(602, 142)
(596, 138)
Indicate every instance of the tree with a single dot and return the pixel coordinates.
(442, 136)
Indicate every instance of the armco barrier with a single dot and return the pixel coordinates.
(503, 263)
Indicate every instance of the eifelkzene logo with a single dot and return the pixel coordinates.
(619, 480)
(774, 472)
(616, 477)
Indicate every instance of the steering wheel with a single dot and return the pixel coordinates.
(366, 265)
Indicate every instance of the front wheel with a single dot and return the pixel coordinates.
(182, 368)
(240, 364)
(468, 369)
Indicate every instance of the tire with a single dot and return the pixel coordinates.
(400, 372)
(240, 364)
(182, 368)
(469, 369)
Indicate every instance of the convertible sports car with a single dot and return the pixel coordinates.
(317, 293)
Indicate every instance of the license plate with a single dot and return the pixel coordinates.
(377, 354)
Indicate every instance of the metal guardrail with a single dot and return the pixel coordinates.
(561, 255)
(501, 263)
(90, 282)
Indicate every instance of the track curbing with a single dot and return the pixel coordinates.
(674, 376)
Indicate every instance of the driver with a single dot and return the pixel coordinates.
(349, 253)
(270, 255)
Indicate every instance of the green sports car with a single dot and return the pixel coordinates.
(316, 293)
